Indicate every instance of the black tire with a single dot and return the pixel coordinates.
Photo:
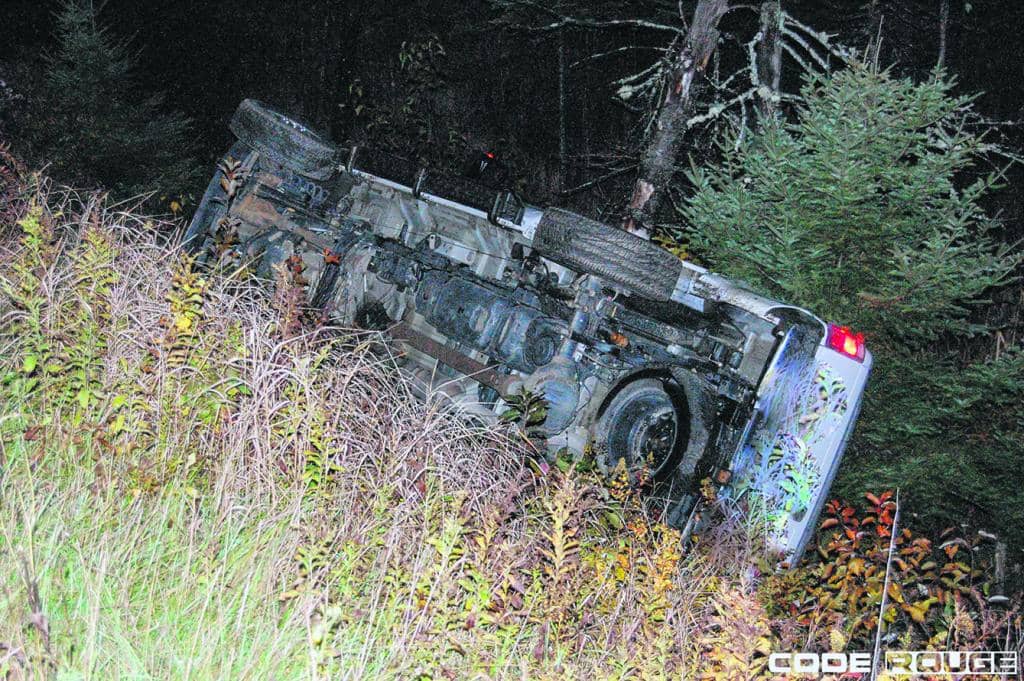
(645, 425)
(588, 246)
(285, 140)
(213, 207)
(673, 472)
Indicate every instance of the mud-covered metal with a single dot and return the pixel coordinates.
(642, 357)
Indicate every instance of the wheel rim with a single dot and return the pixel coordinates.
(653, 438)
(643, 427)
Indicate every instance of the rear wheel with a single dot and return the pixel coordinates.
(655, 425)
(645, 426)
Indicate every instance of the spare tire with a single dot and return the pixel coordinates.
(285, 140)
(592, 247)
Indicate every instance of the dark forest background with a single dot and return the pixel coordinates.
(477, 83)
(444, 82)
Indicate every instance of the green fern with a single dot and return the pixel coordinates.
(23, 291)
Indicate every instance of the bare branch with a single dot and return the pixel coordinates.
(610, 23)
(599, 180)
(724, 85)
(799, 40)
(743, 127)
(667, 124)
(620, 50)
(561, 20)
(823, 39)
(625, 80)
(820, 36)
(717, 110)
(796, 56)
(752, 55)
(640, 82)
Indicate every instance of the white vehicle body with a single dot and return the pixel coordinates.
(641, 357)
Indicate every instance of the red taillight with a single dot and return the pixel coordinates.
(846, 342)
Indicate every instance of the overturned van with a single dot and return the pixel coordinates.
(642, 359)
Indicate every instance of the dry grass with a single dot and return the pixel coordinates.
(190, 494)
(190, 490)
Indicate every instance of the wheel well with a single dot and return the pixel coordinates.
(673, 388)
(676, 392)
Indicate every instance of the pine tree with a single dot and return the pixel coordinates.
(868, 210)
(97, 123)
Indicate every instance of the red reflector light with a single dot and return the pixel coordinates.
(489, 154)
(846, 342)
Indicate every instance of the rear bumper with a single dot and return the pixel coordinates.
(785, 468)
(826, 453)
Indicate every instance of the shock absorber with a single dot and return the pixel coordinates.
(590, 291)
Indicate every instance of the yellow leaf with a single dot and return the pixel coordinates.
(288, 595)
(916, 613)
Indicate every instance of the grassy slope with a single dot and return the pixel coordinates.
(188, 494)
(190, 490)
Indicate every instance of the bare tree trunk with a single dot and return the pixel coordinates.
(657, 160)
(876, 19)
(584, 172)
(943, 30)
(563, 133)
(769, 58)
